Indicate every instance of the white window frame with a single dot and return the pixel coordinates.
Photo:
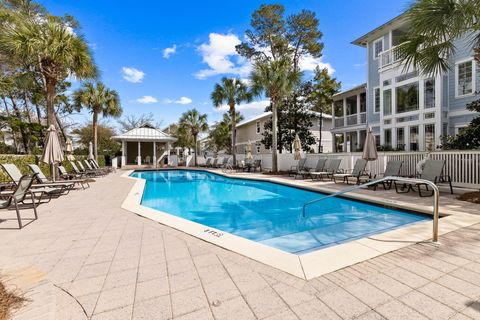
(373, 46)
(460, 126)
(457, 63)
(258, 127)
(379, 98)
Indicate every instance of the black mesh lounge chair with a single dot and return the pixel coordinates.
(357, 172)
(96, 166)
(392, 170)
(318, 168)
(71, 182)
(223, 164)
(257, 164)
(15, 175)
(17, 197)
(43, 180)
(330, 169)
(87, 172)
(214, 163)
(77, 173)
(89, 168)
(432, 171)
(301, 166)
(207, 162)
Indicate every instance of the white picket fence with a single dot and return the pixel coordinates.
(462, 166)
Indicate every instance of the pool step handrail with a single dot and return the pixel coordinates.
(436, 194)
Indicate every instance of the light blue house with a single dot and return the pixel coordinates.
(406, 109)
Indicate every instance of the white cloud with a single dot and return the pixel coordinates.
(252, 106)
(167, 52)
(147, 99)
(132, 75)
(309, 63)
(182, 100)
(221, 57)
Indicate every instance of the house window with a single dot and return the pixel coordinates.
(400, 138)
(377, 48)
(429, 137)
(258, 126)
(407, 97)
(363, 102)
(414, 138)
(429, 93)
(464, 78)
(377, 100)
(387, 102)
(377, 140)
(351, 105)
(387, 134)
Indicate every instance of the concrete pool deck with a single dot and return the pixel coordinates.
(87, 258)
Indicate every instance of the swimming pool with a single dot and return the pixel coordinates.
(266, 212)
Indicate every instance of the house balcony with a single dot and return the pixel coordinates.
(350, 120)
(388, 57)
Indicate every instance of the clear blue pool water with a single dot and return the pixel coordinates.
(266, 212)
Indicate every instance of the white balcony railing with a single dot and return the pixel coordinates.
(388, 57)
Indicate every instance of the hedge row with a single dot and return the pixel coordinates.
(22, 162)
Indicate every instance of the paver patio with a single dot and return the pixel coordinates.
(86, 258)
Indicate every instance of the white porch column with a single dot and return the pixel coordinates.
(154, 154)
(139, 156)
(124, 153)
(169, 146)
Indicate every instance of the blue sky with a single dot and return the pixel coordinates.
(129, 41)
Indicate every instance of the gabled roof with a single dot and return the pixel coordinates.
(269, 114)
(375, 33)
(362, 87)
(145, 132)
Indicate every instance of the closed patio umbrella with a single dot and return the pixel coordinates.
(52, 153)
(90, 151)
(69, 150)
(297, 147)
(370, 147)
(249, 150)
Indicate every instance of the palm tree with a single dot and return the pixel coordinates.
(232, 92)
(276, 79)
(52, 47)
(193, 122)
(98, 99)
(434, 26)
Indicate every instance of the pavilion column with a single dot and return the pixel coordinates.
(139, 157)
(154, 154)
(168, 152)
(124, 153)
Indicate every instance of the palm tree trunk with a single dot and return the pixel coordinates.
(195, 148)
(274, 136)
(95, 134)
(27, 107)
(50, 89)
(39, 114)
(23, 132)
(320, 133)
(60, 126)
(234, 134)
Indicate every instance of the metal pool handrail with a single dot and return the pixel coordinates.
(436, 193)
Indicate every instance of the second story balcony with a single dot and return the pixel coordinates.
(388, 57)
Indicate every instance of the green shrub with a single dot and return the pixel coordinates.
(22, 162)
